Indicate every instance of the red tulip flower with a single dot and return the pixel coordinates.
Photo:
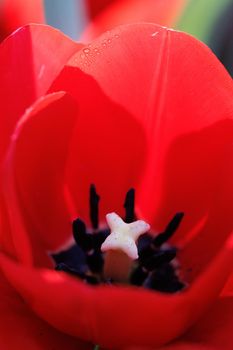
(142, 107)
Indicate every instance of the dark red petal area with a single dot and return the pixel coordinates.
(99, 314)
(95, 6)
(200, 246)
(21, 328)
(30, 59)
(163, 12)
(182, 97)
(108, 147)
(212, 332)
(16, 13)
(34, 177)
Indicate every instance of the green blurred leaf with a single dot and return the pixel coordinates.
(200, 16)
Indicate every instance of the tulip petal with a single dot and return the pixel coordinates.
(34, 177)
(108, 147)
(182, 96)
(94, 7)
(200, 248)
(16, 13)
(27, 69)
(97, 314)
(212, 332)
(163, 12)
(19, 325)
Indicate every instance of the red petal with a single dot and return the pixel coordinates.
(108, 147)
(95, 6)
(212, 332)
(218, 223)
(27, 69)
(99, 314)
(34, 176)
(163, 12)
(21, 327)
(6, 240)
(16, 13)
(182, 96)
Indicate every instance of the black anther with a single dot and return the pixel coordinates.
(159, 258)
(94, 207)
(95, 261)
(82, 238)
(138, 276)
(129, 206)
(169, 230)
(164, 279)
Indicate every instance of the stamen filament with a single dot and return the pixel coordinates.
(120, 247)
(117, 266)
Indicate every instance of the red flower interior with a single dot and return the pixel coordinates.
(142, 106)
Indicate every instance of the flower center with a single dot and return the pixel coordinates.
(125, 253)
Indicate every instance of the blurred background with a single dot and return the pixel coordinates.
(211, 21)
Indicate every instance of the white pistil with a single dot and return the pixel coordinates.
(120, 246)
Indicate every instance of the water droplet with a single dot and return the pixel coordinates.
(86, 50)
(96, 50)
